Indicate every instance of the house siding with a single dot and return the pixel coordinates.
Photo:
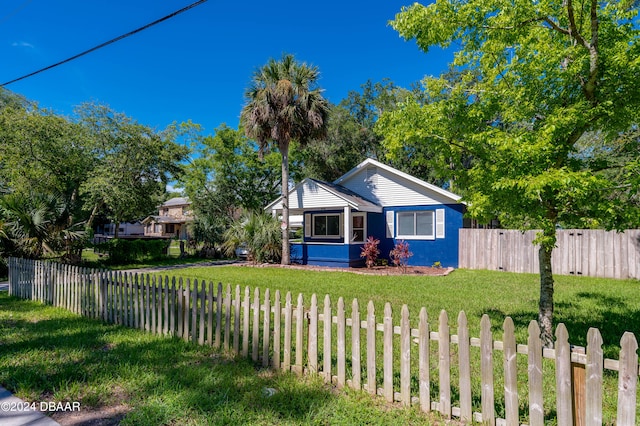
(175, 214)
(325, 254)
(427, 252)
(387, 189)
(310, 196)
(381, 192)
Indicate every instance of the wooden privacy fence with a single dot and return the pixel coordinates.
(470, 378)
(588, 252)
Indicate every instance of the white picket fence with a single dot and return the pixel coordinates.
(401, 363)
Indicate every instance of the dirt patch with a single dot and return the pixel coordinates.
(376, 270)
(107, 415)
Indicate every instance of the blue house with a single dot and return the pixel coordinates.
(376, 200)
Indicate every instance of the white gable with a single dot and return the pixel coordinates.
(307, 195)
(387, 186)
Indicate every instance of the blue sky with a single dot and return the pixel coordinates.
(197, 65)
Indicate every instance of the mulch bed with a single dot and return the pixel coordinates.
(376, 270)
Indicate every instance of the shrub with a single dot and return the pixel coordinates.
(123, 251)
(260, 233)
(400, 255)
(370, 251)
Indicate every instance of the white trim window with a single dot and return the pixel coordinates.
(358, 227)
(327, 225)
(415, 225)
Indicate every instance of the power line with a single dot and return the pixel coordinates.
(14, 11)
(100, 46)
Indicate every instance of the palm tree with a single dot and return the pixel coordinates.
(260, 233)
(284, 104)
(36, 224)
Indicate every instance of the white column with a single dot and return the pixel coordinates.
(347, 225)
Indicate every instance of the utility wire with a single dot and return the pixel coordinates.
(14, 11)
(100, 46)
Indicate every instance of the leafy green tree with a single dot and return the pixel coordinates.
(284, 104)
(617, 161)
(225, 177)
(133, 163)
(43, 153)
(535, 79)
(13, 100)
(229, 164)
(350, 136)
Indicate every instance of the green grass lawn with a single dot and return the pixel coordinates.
(49, 354)
(91, 259)
(610, 305)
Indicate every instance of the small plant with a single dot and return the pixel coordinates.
(370, 251)
(400, 255)
(437, 264)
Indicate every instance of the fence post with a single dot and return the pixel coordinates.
(255, 342)
(326, 343)
(227, 318)
(444, 364)
(299, 368)
(218, 334)
(595, 363)
(563, 377)
(387, 366)
(313, 335)
(277, 319)
(510, 373)
(341, 343)
(210, 314)
(486, 368)
(405, 357)
(203, 312)
(236, 322)
(627, 380)
(356, 370)
(245, 322)
(578, 385)
(372, 386)
(464, 365)
(266, 328)
(287, 332)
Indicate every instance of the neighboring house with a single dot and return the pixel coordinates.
(171, 221)
(125, 229)
(374, 199)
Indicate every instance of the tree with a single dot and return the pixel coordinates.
(43, 153)
(228, 163)
(133, 163)
(225, 177)
(284, 104)
(35, 225)
(535, 79)
(350, 137)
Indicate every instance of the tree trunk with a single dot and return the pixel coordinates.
(545, 307)
(116, 232)
(286, 252)
(74, 196)
(94, 213)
